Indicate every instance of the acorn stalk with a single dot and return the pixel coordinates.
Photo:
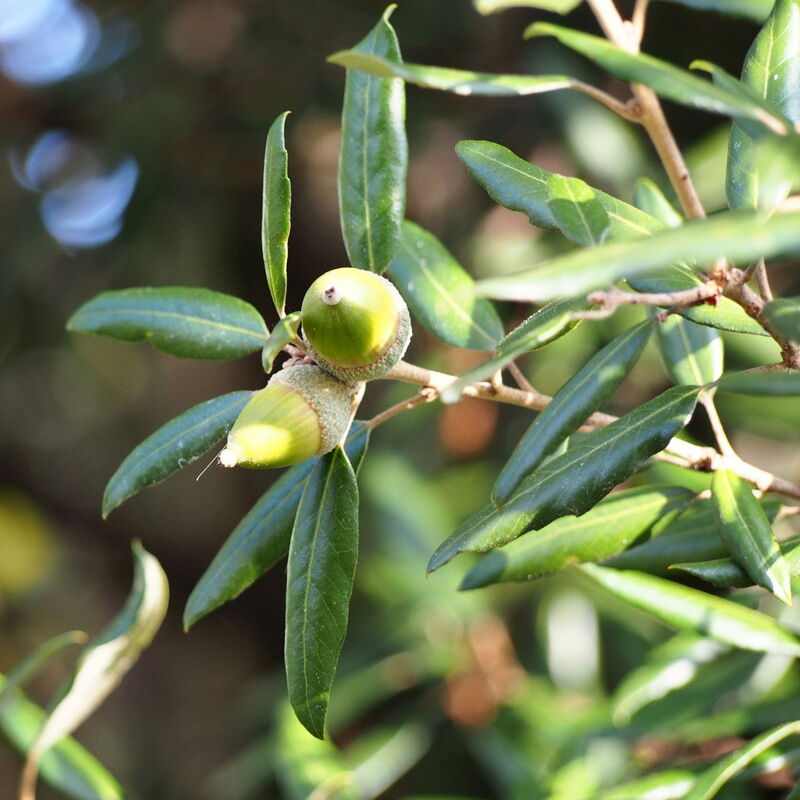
(301, 412)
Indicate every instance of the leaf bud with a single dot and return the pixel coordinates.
(303, 411)
(355, 324)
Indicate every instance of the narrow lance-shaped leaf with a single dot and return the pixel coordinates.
(373, 158)
(282, 334)
(772, 70)
(774, 380)
(181, 321)
(670, 666)
(612, 525)
(576, 400)
(690, 609)
(261, 539)
(727, 573)
(715, 777)
(322, 563)
(725, 80)
(546, 325)
(440, 292)
(577, 210)
(575, 481)
(783, 315)
(736, 235)
(276, 212)
(663, 78)
(744, 527)
(105, 661)
(691, 537)
(32, 663)
(692, 354)
(173, 446)
(725, 314)
(458, 81)
(649, 198)
(519, 185)
(67, 766)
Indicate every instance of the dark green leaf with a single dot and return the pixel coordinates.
(574, 482)
(520, 186)
(32, 663)
(458, 81)
(67, 766)
(693, 354)
(612, 525)
(783, 315)
(690, 609)
(373, 158)
(669, 666)
(185, 322)
(715, 777)
(691, 537)
(726, 81)
(663, 78)
(440, 293)
(746, 530)
(176, 444)
(775, 381)
(276, 212)
(559, 6)
(105, 661)
(322, 564)
(737, 235)
(546, 325)
(650, 199)
(282, 334)
(576, 400)
(576, 210)
(772, 71)
(725, 315)
(752, 9)
(725, 572)
(261, 539)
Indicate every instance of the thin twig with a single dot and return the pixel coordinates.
(426, 394)
(695, 456)
(617, 106)
(519, 376)
(762, 280)
(638, 21)
(649, 111)
(614, 298)
(723, 443)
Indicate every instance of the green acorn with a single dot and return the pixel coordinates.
(301, 412)
(355, 324)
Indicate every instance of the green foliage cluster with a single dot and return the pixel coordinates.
(582, 492)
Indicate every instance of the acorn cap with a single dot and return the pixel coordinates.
(301, 412)
(355, 324)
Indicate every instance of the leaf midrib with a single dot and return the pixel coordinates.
(170, 315)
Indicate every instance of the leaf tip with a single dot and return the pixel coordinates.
(337, 57)
(536, 29)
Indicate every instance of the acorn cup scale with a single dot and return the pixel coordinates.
(301, 412)
(356, 325)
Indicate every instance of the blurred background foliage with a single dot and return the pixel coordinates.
(131, 139)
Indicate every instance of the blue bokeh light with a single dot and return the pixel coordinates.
(82, 204)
